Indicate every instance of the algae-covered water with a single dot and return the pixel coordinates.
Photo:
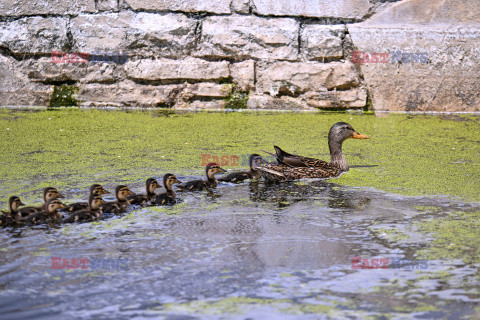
(395, 237)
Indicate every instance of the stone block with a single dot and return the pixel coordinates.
(322, 42)
(346, 9)
(17, 8)
(243, 75)
(190, 6)
(240, 37)
(149, 34)
(295, 78)
(34, 35)
(166, 69)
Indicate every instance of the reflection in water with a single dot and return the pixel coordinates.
(288, 193)
(280, 241)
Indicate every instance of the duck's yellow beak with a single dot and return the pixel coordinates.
(357, 135)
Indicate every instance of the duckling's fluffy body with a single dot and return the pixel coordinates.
(198, 185)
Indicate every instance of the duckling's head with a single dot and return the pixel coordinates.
(51, 193)
(151, 185)
(14, 202)
(97, 190)
(255, 161)
(212, 169)
(54, 204)
(169, 179)
(341, 131)
(121, 192)
(95, 202)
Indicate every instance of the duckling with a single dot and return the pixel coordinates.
(143, 199)
(92, 213)
(211, 170)
(13, 216)
(119, 206)
(48, 194)
(253, 173)
(51, 213)
(96, 190)
(169, 196)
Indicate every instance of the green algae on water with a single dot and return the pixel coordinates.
(71, 148)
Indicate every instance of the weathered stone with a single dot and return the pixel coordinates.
(34, 35)
(16, 90)
(128, 93)
(241, 6)
(144, 33)
(240, 37)
(346, 9)
(166, 69)
(195, 105)
(243, 75)
(295, 78)
(322, 42)
(17, 8)
(207, 90)
(45, 70)
(107, 5)
(433, 12)
(266, 102)
(191, 6)
(434, 67)
(353, 98)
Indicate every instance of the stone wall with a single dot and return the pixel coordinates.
(206, 54)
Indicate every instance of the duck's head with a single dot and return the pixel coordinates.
(169, 179)
(212, 169)
(255, 161)
(151, 185)
(51, 193)
(14, 202)
(97, 190)
(121, 192)
(95, 202)
(54, 204)
(342, 131)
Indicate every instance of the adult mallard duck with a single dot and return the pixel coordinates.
(119, 206)
(12, 216)
(253, 173)
(196, 185)
(167, 198)
(49, 193)
(145, 199)
(292, 167)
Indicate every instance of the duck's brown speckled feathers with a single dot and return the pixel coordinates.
(48, 194)
(96, 190)
(293, 167)
(92, 213)
(169, 197)
(236, 177)
(145, 199)
(119, 206)
(197, 185)
(11, 217)
(51, 214)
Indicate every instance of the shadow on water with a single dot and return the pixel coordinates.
(282, 249)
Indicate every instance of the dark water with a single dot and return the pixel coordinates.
(249, 251)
